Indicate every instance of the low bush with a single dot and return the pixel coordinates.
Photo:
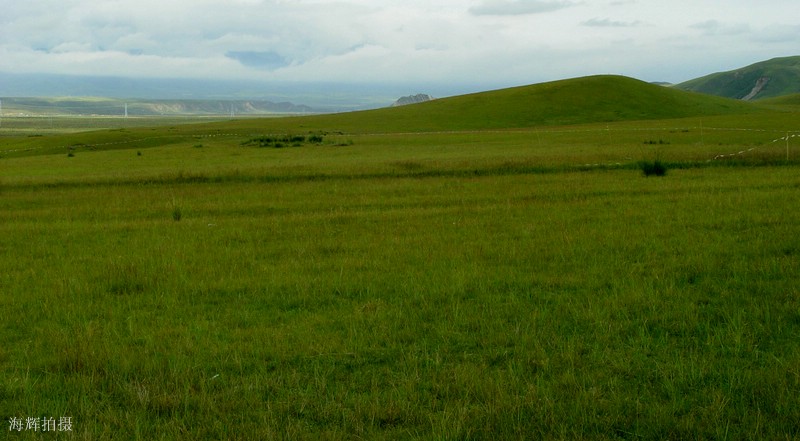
(280, 141)
(653, 168)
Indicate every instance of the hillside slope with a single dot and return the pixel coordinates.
(772, 78)
(784, 100)
(594, 99)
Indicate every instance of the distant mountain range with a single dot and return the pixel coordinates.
(323, 97)
(767, 79)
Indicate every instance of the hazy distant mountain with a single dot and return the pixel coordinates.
(776, 77)
(139, 107)
(321, 96)
(412, 99)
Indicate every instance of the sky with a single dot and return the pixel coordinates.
(478, 42)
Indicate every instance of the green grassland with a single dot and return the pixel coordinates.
(427, 272)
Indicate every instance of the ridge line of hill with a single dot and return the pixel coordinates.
(594, 99)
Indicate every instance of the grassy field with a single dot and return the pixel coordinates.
(36, 126)
(184, 283)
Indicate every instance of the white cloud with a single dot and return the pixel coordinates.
(608, 23)
(503, 42)
(518, 7)
(779, 34)
(714, 27)
(263, 60)
(70, 47)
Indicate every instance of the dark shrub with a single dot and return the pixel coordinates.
(177, 215)
(654, 168)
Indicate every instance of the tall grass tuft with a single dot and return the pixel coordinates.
(177, 214)
(653, 168)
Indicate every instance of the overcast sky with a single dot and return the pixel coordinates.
(500, 42)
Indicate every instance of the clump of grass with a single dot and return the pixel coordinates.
(408, 165)
(177, 213)
(125, 277)
(653, 168)
(282, 141)
(345, 143)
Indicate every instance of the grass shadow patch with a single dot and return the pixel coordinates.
(126, 278)
(408, 165)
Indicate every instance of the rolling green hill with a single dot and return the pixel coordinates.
(785, 100)
(595, 99)
(773, 78)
